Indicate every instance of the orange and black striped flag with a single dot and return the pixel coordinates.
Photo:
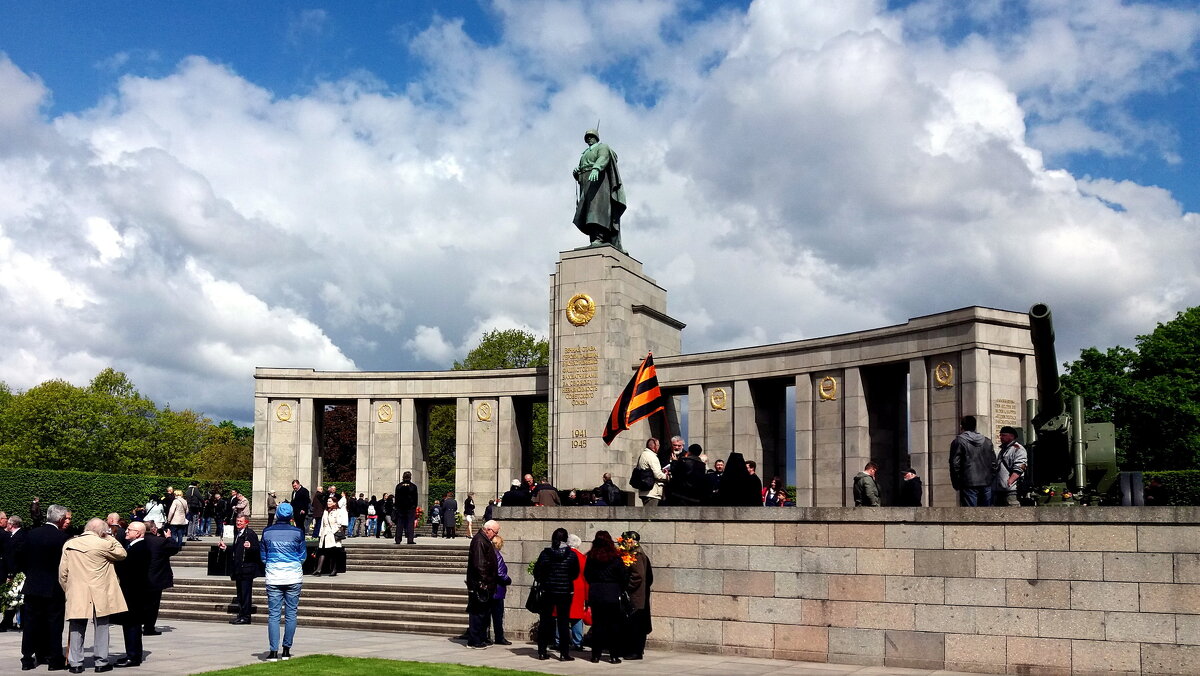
(640, 398)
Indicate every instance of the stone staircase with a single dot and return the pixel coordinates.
(446, 559)
(373, 603)
(420, 610)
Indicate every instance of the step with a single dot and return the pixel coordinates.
(437, 611)
(225, 605)
(320, 617)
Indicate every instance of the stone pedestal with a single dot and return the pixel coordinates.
(605, 315)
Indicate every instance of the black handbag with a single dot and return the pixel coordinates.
(536, 600)
(642, 478)
(340, 534)
(626, 605)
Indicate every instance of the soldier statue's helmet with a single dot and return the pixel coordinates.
(591, 132)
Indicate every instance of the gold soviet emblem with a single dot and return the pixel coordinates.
(283, 412)
(828, 388)
(943, 374)
(385, 413)
(580, 309)
(483, 412)
(718, 399)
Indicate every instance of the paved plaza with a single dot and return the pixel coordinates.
(196, 647)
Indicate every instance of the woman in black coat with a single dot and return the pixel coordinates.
(607, 577)
(555, 572)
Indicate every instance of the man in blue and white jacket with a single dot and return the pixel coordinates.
(282, 550)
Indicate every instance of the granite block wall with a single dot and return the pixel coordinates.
(991, 590)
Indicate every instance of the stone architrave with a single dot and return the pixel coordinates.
(605, 315)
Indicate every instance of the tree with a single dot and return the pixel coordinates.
(507, 349)
(228, 453)
(105, 427)
(1151, 394)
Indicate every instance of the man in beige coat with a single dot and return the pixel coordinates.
(93, 592)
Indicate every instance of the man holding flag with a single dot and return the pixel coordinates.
(640, 399)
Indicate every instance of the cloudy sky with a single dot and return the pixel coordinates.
(190, 190)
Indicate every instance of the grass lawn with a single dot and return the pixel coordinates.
(331, 665)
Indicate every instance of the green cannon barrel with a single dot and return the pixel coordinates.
(1051, 403)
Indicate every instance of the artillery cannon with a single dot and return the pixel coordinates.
(1067, 457)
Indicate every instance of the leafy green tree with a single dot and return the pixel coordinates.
(1151, 394)
(49, 427)
(507, 349)
(107, 426)
(228, 453)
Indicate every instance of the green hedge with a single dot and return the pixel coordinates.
(89, 494)
(439, 488)
(1183, 486)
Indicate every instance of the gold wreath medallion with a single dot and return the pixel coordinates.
(943, 374)
(384, 413)
(283, 412)
(828, 388)
(718, 399)
(580, 309)
(483, 412)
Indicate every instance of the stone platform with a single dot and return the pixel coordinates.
(998, 590)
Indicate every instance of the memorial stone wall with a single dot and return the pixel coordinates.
(993, 590)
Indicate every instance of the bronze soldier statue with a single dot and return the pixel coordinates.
(601, 197)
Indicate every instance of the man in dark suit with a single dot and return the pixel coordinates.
(36, 518)
(15, 536)
(158, 551)
(114, 525)
(243, 565)
(5, 536)
(133, 572)
(301, 504)
(44, 612)
(406, 508)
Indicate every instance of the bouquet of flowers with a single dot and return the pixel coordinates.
(420, 517)
(628, 547)
(12, 594)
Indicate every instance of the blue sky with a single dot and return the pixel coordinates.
(196, 189)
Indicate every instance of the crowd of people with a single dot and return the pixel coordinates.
(608, 589)
(190, 514)
(110, 572)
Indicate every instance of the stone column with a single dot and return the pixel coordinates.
(746, 439)
(478, 460)
(804, 441)
(605, 315)
(508, 453)
(828, 439)
(1006, 392)
(976, 388)
(412, 446)
(716, 418)
(942, 373)
(384, 456)
(918, 424)
(857, 431)
(285, 448)
(462, 449)
(362, 439)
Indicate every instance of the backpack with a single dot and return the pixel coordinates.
(642, 478)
